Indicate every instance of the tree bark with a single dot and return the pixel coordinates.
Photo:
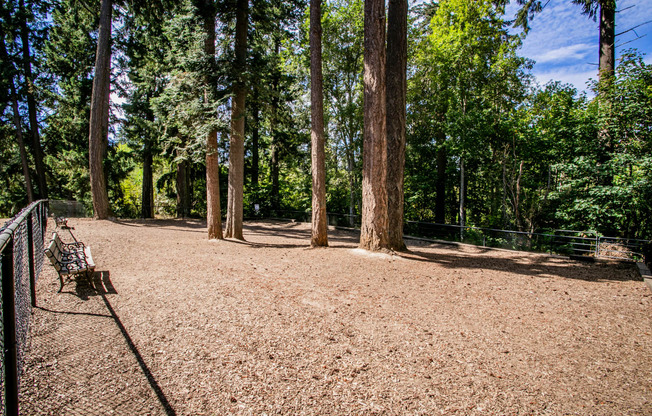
(236, 154)
(440, 186)
(16, 120)
(182, 189)
(21, 144)
(274, 172)
(255, 144)
(147, 206)
(31, 106)
(396, 101)
(213, 210)
(319, 232)
(462, 198)
(99, 120)
(607, 62)
(375, 222)
(350, 161)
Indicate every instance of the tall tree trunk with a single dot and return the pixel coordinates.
(462, 199)
(273, 122)
(4, 57)
(517, 202)
(31, 106)
(440, 186)
(236, 154)
(319, 231)
(396, 98)
(147, 206)
(183, 188)
(21, 144)
(213, 210)
(255, 144)
(274, 172)
(99, 121)
(375, 223)
(607, 62)
(351, 168)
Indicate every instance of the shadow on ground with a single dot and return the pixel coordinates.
(527, 265)
(77, 352)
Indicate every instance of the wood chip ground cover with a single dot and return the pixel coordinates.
(177, 324)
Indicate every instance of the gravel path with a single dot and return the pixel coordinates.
(177, 324)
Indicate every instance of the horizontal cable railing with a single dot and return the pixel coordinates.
(588, 244)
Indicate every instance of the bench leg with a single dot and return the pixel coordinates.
(61, 283)
(89, 276)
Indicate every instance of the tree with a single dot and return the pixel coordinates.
(374, 228)
(214, 214)
(464, 88)
(234, 213)
(17, 120)
(68, 58)
(99, 119)
(606, 11)
(143, 61)
(31, 102)
(343, 49)
(396, 99)
(319, 231)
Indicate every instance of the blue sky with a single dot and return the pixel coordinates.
(564, 42)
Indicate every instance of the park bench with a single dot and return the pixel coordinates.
(61, 222)
(70, 259)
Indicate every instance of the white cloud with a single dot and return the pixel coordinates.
(565, 53)
(576, 75)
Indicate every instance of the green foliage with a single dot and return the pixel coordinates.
(534, 157)
(608, 186)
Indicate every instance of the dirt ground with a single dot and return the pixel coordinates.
(179, 325)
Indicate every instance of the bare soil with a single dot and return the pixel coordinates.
(177, 324)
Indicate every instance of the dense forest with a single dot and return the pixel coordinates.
(484, 144)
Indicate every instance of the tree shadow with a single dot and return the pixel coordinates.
(334, 235)
(169, 410)
(182, 224)
(527, 265)
(100, 285)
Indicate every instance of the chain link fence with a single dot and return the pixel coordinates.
(21, 258)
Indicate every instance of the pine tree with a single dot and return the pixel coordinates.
(31, 101)
(235, 213)
(99, 120)
(319, 233)
(214, 214)
(374, 228)
(396, 100)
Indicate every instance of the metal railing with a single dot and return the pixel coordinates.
(583, 244)
(21, 256)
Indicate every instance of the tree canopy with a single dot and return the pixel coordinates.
(484, 144)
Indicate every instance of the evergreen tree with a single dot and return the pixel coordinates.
(99, 115)
(319, 233)
(396, 117)
(374, 229)
(234, 213)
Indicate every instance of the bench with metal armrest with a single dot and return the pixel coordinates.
(70, 259)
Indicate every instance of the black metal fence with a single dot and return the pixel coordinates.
(587, 244)
(21, 256)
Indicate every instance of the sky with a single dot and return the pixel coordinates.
(564, 42)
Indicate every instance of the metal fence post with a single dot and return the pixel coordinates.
(32, 259)
(9, 326)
